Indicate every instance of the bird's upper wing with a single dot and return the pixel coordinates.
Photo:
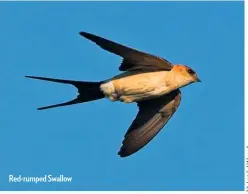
(152, 116)
(132, 59)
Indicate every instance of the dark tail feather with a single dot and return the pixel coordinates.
(75, 101)
(88, 91)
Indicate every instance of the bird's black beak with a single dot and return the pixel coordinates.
(198, 80)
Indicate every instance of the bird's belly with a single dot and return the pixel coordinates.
(136, 87)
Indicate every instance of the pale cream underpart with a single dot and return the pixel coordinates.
(136, 86)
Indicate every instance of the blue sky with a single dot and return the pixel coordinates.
(201, 148)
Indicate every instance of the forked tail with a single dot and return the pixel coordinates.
(88, 91)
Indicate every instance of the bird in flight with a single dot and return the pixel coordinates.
(150, 81)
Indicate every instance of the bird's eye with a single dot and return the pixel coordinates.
(190, 71)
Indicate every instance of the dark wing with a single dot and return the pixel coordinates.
(132, 59)
(152, 116)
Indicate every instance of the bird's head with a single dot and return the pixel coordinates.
(185, 75)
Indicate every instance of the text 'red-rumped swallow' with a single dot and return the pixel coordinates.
(150, 81)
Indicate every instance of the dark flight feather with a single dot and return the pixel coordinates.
(152, 116)
(132, 59)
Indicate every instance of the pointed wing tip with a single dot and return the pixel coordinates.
(122, 153)
(91, 37)
(81, 33)
(84, 34)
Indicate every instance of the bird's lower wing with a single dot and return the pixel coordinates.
(152, 116)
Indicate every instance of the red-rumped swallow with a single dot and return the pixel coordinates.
(150, 81)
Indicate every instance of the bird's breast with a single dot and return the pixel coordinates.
(133, 87)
